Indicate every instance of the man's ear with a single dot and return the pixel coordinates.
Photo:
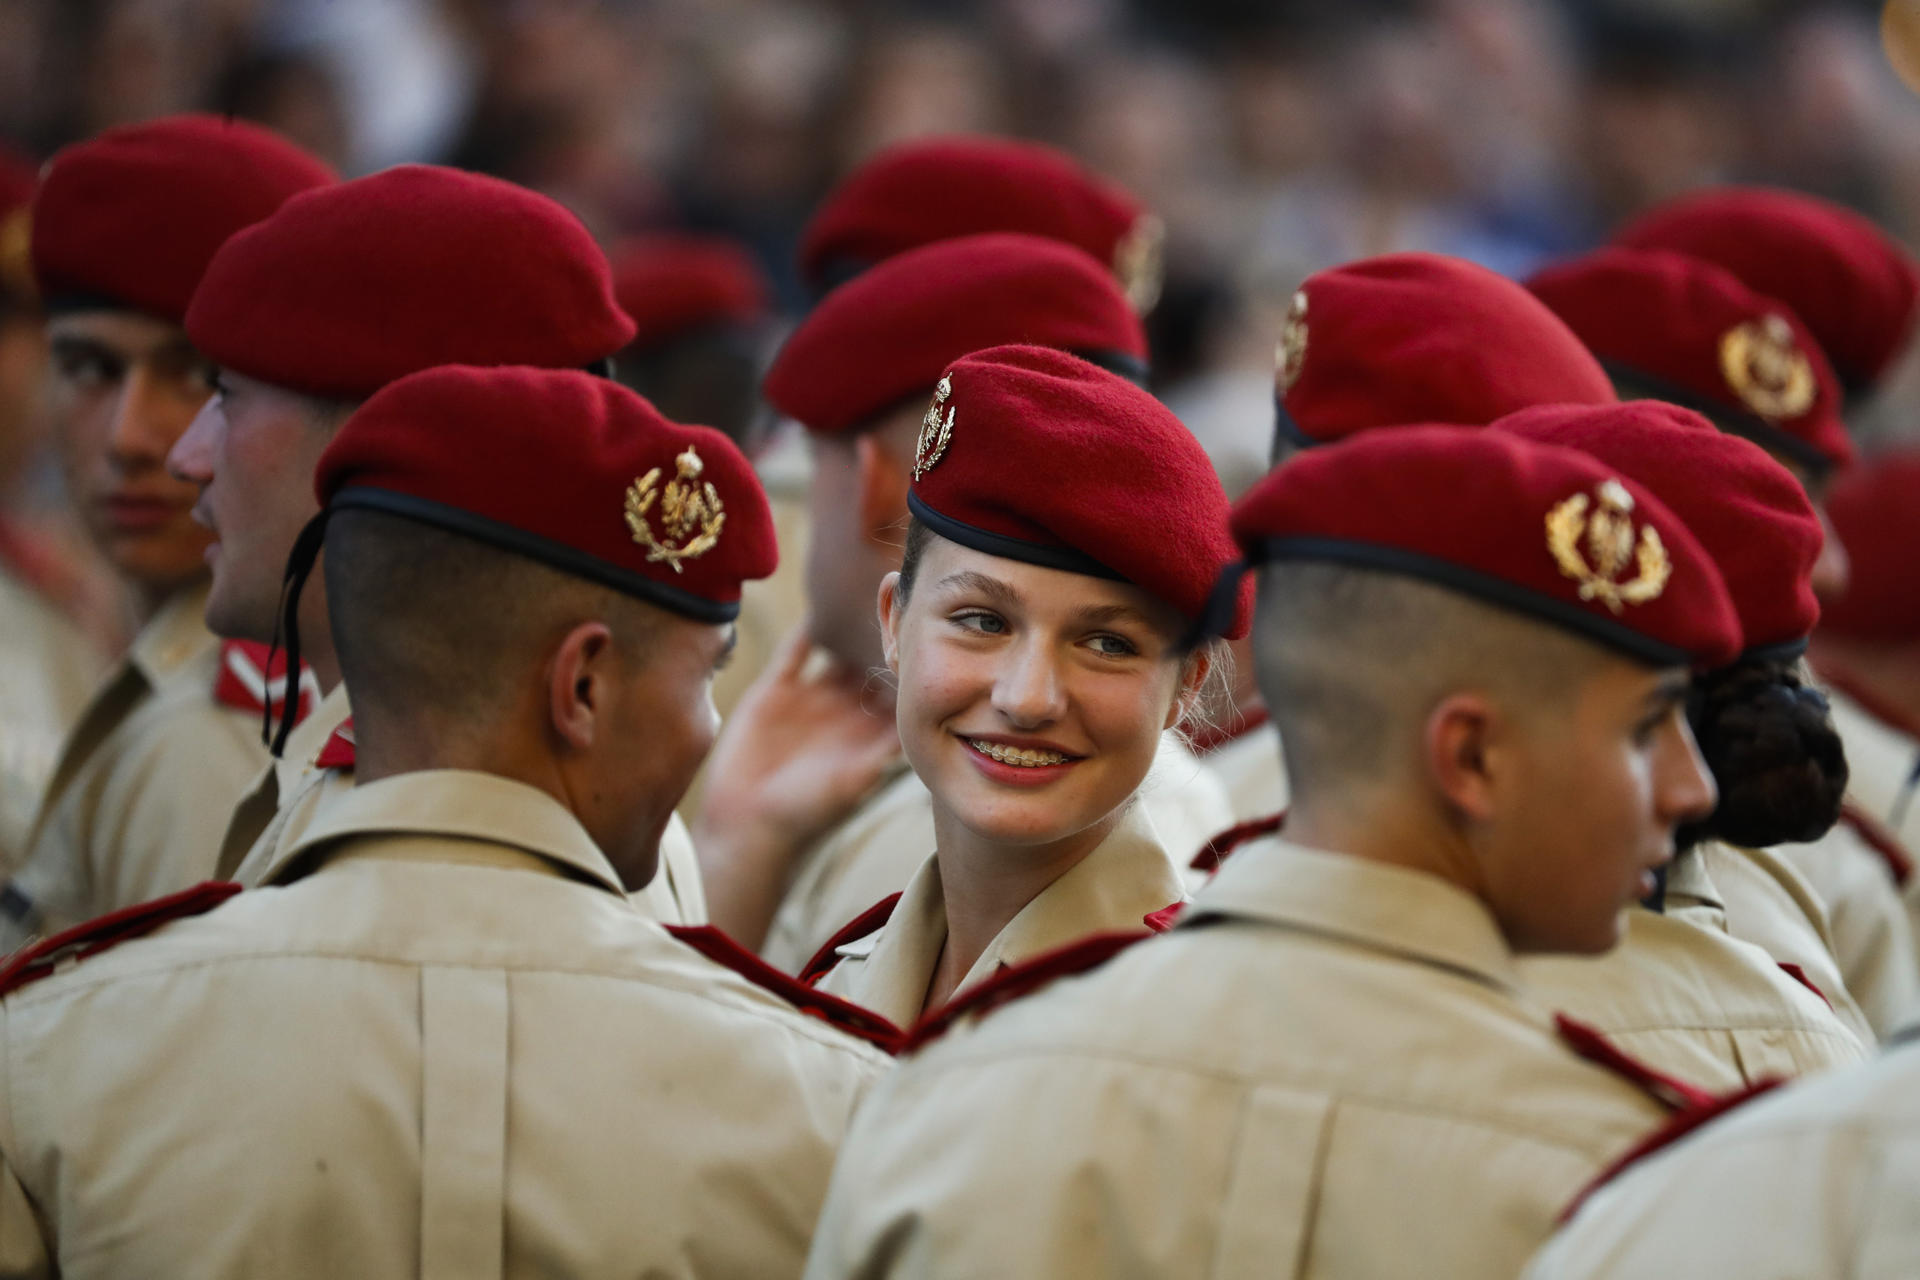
(891, 607)
(883, 484)
(1464, 748)
(578, 679)
(1194, 670)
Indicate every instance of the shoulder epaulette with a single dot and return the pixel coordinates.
(250, 683)
(844, 1014)
(1018, 980)
(1590, 1044)
(337, 753)
(1882, 841)
(38, 960)
(1676, 1128)
(1216, 850)
(859, 927)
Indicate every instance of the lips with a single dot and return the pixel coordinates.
(1018, 764)
(1020, 757)
(135, 512)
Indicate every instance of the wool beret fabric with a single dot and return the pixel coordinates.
(1540, 529)
(131, 218)
(890, 333)
(1420, 337)
(670, 284)
(564, 467)
(1747, 510)
(346, 289)
(1035, 455)
(918, 192)
(1853, 285)
(1663, 325)
(1876, 510)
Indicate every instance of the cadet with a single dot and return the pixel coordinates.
(441, 1041)
(1329, 1066)
(311, 311)
(809, 818)
(123, 226)
(1037, 630)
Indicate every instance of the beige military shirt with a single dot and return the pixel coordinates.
(1251, 768)
(1867, 917)
(1811, 1183)
(264, 825)
(440, 1042)
(1128, 876)
(140, 799)
(1328, 1068)
(1883, 767)
(877, 850)
(47, 670)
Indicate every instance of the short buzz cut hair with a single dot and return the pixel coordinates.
(431, 623)
(1351, 661)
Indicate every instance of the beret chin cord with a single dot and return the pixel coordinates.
(306, 551)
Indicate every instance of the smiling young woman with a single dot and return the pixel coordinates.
(1037, 629)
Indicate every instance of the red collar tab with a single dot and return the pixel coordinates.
(860, 1023)
(1590, 1044)
(1162, 920)
(1215, 851)
(1799, 975)
(1018, 980)
(860, 926)
(252, 682)
(1211, 738)
(1676, 1128)
(338, 751)
(41, 959)
(1880, 840)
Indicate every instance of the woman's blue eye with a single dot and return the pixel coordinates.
(1114, 646)
(988, 623)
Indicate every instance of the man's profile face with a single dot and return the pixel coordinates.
(122, 389)
(1595, 788)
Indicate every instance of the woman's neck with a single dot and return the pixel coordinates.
(985, 884)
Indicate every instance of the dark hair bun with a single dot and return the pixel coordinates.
(1770, 742)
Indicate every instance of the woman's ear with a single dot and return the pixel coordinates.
(1195, 669)
(577, 684)
(892, 606)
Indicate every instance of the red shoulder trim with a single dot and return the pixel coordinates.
(249, 682)
(1162, 920)
(37, 960)
(1018, 980)
(1682, 1124)
(1799, 975)
(1216, 850)
(1881, 840)
(859, 927)
(338, 751)
(844, 1014)
(1590, 1044)
(1213, 737)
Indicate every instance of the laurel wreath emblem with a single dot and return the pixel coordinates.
(1610, 546)
(691, 514)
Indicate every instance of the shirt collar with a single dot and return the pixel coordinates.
(309, 736)
(458, 803)
(1408, 913)
(175, 635)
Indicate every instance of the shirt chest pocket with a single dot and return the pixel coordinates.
(1266, 1219)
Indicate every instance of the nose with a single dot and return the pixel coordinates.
(191, 458)
(1027, 689)
(144, 422)
(1832, 570)
(1684, 789)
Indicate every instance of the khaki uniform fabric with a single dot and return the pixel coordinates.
(140, 799)
(1325, 1069)
(1128, 876)
(1883, 778)
(1815, 1183)
(263, 828)
(1872, 936)
(47, 669)
(443, 1045)
(1251, 768)
(877, 850)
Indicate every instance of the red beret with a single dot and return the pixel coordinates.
(346, 289)
(1417, 337)
(893, 331)
(1034, 455)
(1540, 529)
(565, 468)
(19, 175)
(1747, 510)
(1876, 510)
(1852, 285)
(132, 217)
(1676, 328)
(670, 284)
(937, 189)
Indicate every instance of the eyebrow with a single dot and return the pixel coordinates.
(1671, 689)
(992, 588)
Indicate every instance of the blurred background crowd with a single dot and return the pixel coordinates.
(1275, 137)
